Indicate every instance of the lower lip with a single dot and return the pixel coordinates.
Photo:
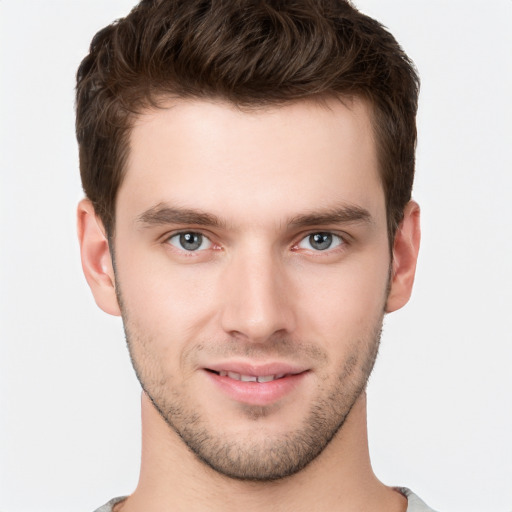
(257, 393)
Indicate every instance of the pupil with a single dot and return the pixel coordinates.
(320, 241)
(191, 241)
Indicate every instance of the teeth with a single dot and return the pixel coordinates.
(250, 378)
(267, 378)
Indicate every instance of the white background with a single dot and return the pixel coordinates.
(440, 406)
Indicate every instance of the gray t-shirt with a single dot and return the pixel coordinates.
(414, 504)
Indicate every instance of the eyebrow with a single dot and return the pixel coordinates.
(161, 214)
(342, 215)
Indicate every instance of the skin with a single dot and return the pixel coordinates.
(256, 186)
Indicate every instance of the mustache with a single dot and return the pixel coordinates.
(279, 347)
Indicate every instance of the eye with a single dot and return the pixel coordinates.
(190, 241)
(320, 241)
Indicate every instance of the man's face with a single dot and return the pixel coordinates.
(252, 267)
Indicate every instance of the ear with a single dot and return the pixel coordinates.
(405, 255)
(96, 259)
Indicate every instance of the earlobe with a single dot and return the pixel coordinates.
(405, 255)
(96, 258)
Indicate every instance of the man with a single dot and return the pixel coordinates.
(248, 170)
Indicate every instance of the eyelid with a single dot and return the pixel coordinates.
(167, 239)
(180, 231)
(343, 237)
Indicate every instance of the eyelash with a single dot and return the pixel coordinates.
(189, 232)
(335, 237)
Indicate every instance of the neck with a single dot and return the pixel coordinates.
(340, 478)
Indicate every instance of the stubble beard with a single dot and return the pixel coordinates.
(260, 458)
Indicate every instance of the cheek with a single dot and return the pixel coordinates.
(166, 302)
(345, 303)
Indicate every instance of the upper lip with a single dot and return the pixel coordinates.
(257, 370)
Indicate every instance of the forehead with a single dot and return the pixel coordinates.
(270, 161)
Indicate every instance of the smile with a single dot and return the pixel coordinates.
(251, 378)
(253, 385)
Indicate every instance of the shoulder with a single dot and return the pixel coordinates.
(414, 503)
(108, 507)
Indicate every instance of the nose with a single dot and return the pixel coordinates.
(257, 298)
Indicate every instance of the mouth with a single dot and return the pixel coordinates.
(250, 378)
(257, 385)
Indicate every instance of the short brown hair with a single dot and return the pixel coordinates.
(251, 53)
